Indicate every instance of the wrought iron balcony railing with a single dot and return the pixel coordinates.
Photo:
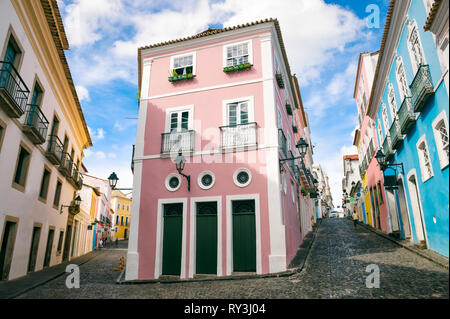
(177, 141)
(387, 147)
(77, 178)
(66, 165)
(238, 136)
(13, 91)
(282, 143)
(54, 150)
(395, 133)
(421, 87)
(406, 116)
(369, 152)
(35, 124)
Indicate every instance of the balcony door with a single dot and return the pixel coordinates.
(36, 98)
(237, 113)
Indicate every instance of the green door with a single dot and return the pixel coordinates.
(206, 252)
(244, 236)
(172, 238)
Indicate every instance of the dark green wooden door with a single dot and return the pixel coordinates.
(172, 239)
(206, 252)
(244, 236)
(34, 248)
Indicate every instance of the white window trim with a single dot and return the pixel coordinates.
(411, 26)
(251, 112)
(423, 169)
(199, 180)
(293, 191)
(441, 153)
(194, 61)
(392, 108)
(401, 66)
(189, 108)
(236, 174)
(168, 185)
(250, 51)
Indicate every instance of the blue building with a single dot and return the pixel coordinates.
(410, 106)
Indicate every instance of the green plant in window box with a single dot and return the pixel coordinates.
(294, 128)
(303, 191)
(288, 109)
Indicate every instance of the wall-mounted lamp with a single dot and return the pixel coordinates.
(77, 202)
(180, 162)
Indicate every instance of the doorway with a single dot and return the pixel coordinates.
(48, 249)
(7, 248)
(34, 248)
(206, 238)
(67, 243)
(172, 239)
(244, 236)
(417, 211)
(403, 210)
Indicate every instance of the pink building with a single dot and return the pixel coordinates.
(375, 205)
(225, 99)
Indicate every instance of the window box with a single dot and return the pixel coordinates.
(280, 80)
(240, 67)
(294, 128)
(303, 191)
(177, 78)
(288, 109)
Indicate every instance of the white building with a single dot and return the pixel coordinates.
(39, 108)
(351, 182)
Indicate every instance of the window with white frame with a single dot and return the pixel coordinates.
(424, 159)
(179, 121)
(380, 133)
(440, 129)
(401, 79)
(385, 119)
(392, 102)
(280, 120)
(415, 46)
(237, 113)
(237, 54)
(183, 64)
(293, 191)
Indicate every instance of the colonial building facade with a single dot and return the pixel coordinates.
(409, 105)
(42, 137)
(226, 100)
(121, 206)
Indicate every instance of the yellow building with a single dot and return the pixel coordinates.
(121, 207)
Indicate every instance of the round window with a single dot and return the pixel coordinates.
(173, 182)
(206, 180)
(242, 177)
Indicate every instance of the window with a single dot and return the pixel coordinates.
(60, 241)
(392, 102)
(385, 120)
(380, 132)
(206, 180)
(237, 54)
(117, 220)
(414, 46)
(401, 79)
(123, 206)
(179, 119)
(13, 52)
(183, 64)
(280, 120)
(2, 132)
(173, 182)
(440, 129)
(126, 221)
(293, 191)
(44, 184)
(57, 194)
(128, 208)
(424, 159)
(380, 193)
(237, 113)
(23, 161)
(242, 177)
(121, 220)
(118, 206)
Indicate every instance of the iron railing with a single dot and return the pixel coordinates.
(55, 149)
(282, 143)
(387, 148)
(66, 164)
(177, 141)
(406, 116)
(421, 87)
(395, 133)
(235, 136)
(36, 121)
(15, 88)
(369, 152)
(77, 178)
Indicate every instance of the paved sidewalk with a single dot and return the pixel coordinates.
(425, 253)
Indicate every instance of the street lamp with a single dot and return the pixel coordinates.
(113, 182)
(180, 162)
(302, 146)
(77, 202)
(381, 159)
(390, 180)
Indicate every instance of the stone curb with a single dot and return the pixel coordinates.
(13, 293)
(286, 273)
(416, 251)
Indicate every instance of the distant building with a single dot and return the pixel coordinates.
(121, 206)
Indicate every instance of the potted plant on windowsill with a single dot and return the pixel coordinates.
(239, 67)
(288, 109)
(294, 129)
(280, 81)
(174, 76)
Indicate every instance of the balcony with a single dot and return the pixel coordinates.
(66, 165)
(280, 81)
(395, 133)
(369, 151)
(282, 143)
(54, 150)
(35, 125)
(238, 136)
(387, 147)
(421, 87)
(13, 91)
(406, 116)
(76, 178)
(177, 142)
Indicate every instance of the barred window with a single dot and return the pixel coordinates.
(425, 163)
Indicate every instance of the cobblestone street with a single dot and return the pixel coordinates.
(335, 268)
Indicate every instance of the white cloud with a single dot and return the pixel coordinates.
(82, 92)
(96, 135)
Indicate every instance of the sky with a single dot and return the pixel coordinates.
(323, 39)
